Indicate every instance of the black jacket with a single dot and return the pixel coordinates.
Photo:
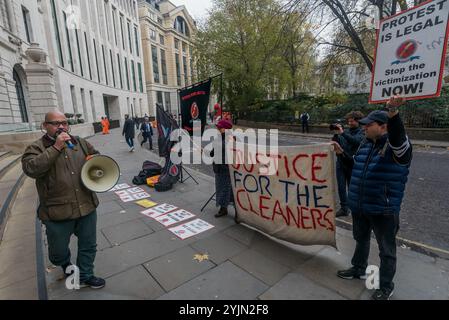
(220, 167)
(146, 131)
(128, 129)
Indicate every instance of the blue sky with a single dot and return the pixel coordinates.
(196, 8)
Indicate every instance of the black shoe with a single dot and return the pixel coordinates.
(223, 212)
(342, 213)
(352, 273)
(93, 283)
(382, 294)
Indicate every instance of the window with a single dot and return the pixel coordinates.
(153, 34)
(88, 55)
(159, 20)
(127, 73)
(74, 103)
(136, 36)
(114, 13)
(68, 42)
(176, 44)
(79, 52)
(178, 70)
(167, 100)
(104, 65)
(133, 74)
(184, 47)
(96, 62)
(20, 96)
(129, 38)
(164, 67)
(107, 18)
(57, 37)
(162, 39)
(139, 69)
(184, 62)
(27, 24)
(112, 67)
(121, 30)
(180, 25)
(155, 64)
(160, 99)
(120, 70)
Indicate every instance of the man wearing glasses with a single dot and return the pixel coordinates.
(66, 207)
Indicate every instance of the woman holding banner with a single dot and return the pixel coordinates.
(223, 185)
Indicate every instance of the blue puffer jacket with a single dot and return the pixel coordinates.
(378, 181)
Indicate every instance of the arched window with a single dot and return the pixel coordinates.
(20, 96)
(181, 26)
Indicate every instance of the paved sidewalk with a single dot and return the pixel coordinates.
(324, 136)
(141, 259)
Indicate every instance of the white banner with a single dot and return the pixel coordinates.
(410, 53)
(297, 201)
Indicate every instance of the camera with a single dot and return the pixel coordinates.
(334, 126)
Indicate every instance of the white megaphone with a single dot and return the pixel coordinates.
(100, 173)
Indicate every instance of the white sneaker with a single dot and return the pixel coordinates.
(132, 149)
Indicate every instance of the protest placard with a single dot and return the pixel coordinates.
(159, 210)
(174, 217)
(146, 203)
(120, 187)
(191, 228)
(410, 52)
(294, 202)
(134, 196)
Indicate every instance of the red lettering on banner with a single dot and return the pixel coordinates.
(331, 225)
(238, 199)
(301, 211)
(277, 210)
(299, 156)
(315, 167)
(290, 215)
(318, 217)
(262, 207)
(287, 169)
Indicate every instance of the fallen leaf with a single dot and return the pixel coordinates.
(201, 257)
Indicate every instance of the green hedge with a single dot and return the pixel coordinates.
(425, 113)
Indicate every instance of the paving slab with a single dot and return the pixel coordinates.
(126, 231)
(120, 258)
(178, 267)
(294, 286)
(219, 247)
(22, 290)
(133, 284)
(323, 268)
(260, 266)
(225, 282)
(108, 207)
(116, 218)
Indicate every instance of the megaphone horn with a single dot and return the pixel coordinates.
(100, 173)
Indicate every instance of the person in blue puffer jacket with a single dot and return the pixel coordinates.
(379, 175)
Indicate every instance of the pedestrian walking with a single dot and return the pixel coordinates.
(129, 132)
(381, 167)
(66, 207)
(147, 133)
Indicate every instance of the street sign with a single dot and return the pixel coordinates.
(410, 53)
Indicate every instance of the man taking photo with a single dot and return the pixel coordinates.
(379, 176)
(349, 139)
(66, 207)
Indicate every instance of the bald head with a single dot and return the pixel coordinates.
(55, 121)
(55, 115)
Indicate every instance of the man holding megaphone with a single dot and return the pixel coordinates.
(66, 205)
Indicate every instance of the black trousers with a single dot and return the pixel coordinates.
(385, 229)
(305, 127)
(149, 138)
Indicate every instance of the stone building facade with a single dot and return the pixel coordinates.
(168, 32)
(83, 57)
